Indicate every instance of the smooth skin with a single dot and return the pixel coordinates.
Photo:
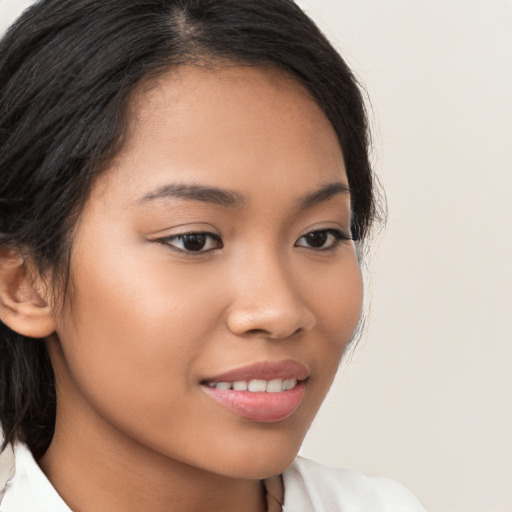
(152, 313)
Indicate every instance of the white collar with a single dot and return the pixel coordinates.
(27, 487)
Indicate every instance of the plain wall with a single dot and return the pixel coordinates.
(426, 397)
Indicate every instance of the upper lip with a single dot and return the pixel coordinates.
(265, 370)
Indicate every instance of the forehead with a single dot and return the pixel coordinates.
(229, 126)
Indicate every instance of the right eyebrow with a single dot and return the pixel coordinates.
(194, 192)
(324, 194)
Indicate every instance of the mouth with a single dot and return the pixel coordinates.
(256, 385)
(262, 392)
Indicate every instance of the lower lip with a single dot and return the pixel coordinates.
(263, 407)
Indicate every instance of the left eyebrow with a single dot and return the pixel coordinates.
(193, 192)
(323, 194)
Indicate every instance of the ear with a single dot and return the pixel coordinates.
(23, 307)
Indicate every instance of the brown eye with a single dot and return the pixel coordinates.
(194, 242)
(316, 239)
(322, 239)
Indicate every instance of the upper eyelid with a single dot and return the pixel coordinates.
(215, 236)
(199, 232)
(346, 234)
(343, 232)
(165, 238)
(340, 234)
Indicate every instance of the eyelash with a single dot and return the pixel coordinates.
(211, 237)
(336, 237)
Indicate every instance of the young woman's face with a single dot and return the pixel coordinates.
(213, 254)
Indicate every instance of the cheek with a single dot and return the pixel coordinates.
(337, 296)
(337, 299)
(136, 326)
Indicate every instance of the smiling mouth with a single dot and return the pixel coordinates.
(262, 392)
(257, 385)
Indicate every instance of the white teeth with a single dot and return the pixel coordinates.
(289, 384)
(240, 385)
(257, 385)
(274, 386)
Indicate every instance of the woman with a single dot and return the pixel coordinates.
(185, 192)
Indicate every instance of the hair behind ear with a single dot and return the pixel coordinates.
(27, 391)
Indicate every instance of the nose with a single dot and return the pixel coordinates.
(268, 302)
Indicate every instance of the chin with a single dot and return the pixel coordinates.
(261, 461)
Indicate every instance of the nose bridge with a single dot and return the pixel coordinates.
(268, 300)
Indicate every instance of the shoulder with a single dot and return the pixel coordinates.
(310, 486)
(23, 486)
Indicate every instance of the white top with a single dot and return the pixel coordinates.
(309, 487)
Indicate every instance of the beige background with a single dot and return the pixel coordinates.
(427, 397)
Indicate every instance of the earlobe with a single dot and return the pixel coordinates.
(23, 308)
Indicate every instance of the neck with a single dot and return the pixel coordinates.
(94, 468)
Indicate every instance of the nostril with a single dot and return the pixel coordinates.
(297, 332)
(272, 321)
(257, 332)
(260, 333)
